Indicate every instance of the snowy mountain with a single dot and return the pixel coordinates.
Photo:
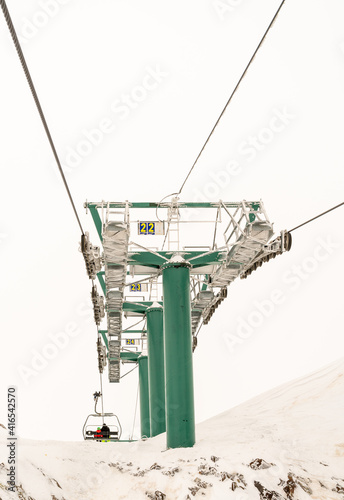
(285, 444)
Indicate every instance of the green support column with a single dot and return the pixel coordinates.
(180, 414)
(156, 373)
(144, 395)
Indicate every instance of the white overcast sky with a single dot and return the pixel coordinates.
(85, 57)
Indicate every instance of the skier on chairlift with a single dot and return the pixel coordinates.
(98, 434)
(105, 430)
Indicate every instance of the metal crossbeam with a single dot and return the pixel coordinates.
(191, 204)
(197, 259)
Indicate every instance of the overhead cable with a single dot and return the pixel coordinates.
(38, 104)
(316, 217)
(231, 96)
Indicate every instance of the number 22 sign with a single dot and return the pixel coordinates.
(147, 227)
(153, 228)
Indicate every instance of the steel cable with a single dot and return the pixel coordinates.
(230, 98)
(316, 217)
(38, 105)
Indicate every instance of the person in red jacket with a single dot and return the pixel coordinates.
(98, 434)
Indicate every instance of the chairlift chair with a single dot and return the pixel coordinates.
(98, 420)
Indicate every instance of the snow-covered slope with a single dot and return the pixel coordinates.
(285, 444)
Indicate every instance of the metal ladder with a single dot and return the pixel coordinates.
(154, 290)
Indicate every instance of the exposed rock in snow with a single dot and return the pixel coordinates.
(157, 495)
(286, 444)
(294, 481)
(258, 463)
(265, 494)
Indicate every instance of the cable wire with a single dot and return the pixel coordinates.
(316, 217)
(199, 328)
(38, 105)
(101, 396)
(129, 371)
(167, 230)
(131, 326)
(231, 96)
(137, 398)
(101, 383)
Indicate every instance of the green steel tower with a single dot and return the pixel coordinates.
(156, 370)
(192, 280)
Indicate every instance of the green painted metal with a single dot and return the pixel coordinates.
(194, 204)
(197, 258)
(144, 395)
(205, 285)
(156, 373)
(254, 206)
(180, 414)
(101, 280)
(146, 259)
(130, 356)
(206, 259)
(138, 307)
(134, 331)
(96, 219)
(103, 334)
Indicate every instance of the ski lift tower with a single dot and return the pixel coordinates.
(173, 289)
